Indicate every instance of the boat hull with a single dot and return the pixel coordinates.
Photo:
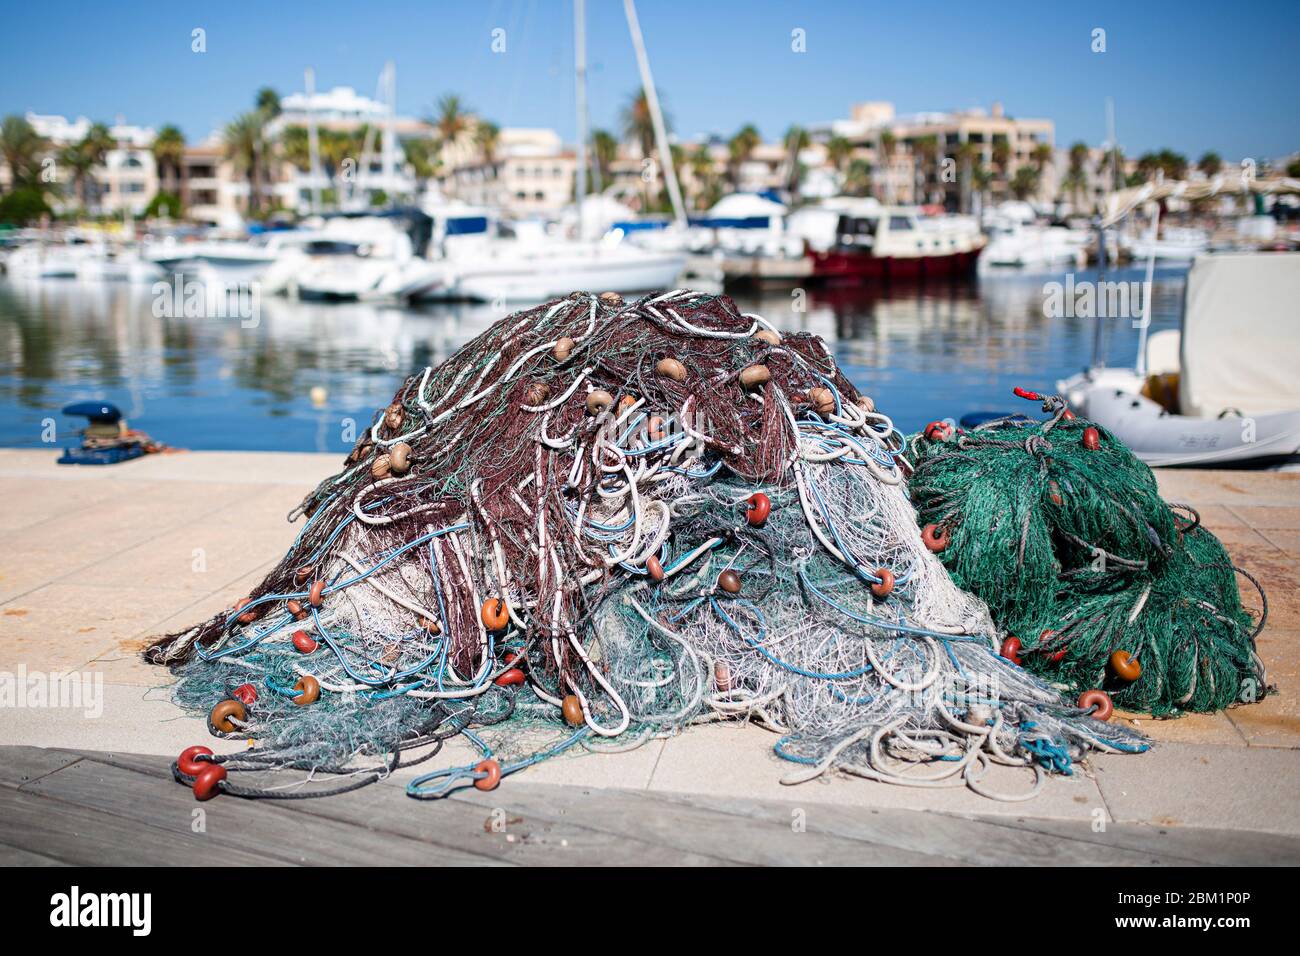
(1162, 439)
(848, 265)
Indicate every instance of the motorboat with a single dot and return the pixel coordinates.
(366, 258)
(1168, 244)
(228, 263)
(1223, 389)
(117, 263)
(861, 239)
(45, 259)
(478, 258)
(1024, 244)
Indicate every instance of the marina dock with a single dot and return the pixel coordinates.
(100, 560)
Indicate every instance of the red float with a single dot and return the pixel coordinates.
(246, 693)
(938, 431)
(303, 642)
(510, 678)
(760, 506)
(934, 537)
(207, 783)
(885, 586)
(1011, 649)
(1091, 438)
(188, 762)
(493, 771)
(1098, 699)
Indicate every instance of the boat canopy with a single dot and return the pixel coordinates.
(741, 211)
(1241, 334)
(1120, 204)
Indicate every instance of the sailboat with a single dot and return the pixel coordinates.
(522, 263)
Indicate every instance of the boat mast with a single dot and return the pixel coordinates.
(652, 100)
(389, 141)
(313, 138)
(580, 81)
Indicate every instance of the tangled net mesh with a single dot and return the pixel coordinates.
(604, 521)
(1078, 556)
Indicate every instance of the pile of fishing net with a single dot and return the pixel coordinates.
(595, 524)
(1098, 582)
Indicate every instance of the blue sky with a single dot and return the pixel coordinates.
(1192, 76)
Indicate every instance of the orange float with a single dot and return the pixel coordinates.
(495, 614)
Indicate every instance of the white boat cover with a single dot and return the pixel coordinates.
(1241, 334)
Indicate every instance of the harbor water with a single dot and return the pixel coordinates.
(305, 376)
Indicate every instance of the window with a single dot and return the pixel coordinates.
(899, 224)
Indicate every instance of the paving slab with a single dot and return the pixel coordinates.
(1205, 786)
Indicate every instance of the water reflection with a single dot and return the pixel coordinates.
(212, 383)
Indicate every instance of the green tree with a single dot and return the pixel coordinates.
(1024, 183)
(23, 205)
(452, 119)
(857, 180)
(487, 136)
(1210, 164)
(22, 149)
(168, 150)
(164, 205)
(244, 139)
(638, 123)
(838, 151)
(604, 147)
(739, 148)
(1173, 165)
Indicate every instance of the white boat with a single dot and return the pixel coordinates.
(477, 258)
(1026, 245)
(370, 258)
(1228, 380)
(117, 263)
(1172, 244)
(228, 263)
(50, 260)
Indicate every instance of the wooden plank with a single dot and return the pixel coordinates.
(983, 841)
(267, 827)
(16, 856)
(22, 765)
(749, 839)
(74, 834)
(1173, 845)
(385, 808)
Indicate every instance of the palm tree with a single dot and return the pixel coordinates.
(1210, 164)
(1076, 179)
(927, 147)
(796, 140)
(739, 148)
(1041, 156)
(79, 164)
(486, 137)
(700, 163)
(1173, 165)
(1001, 154)
(967, 156)
(244, 143)
(638, 123)
(857, 181)
(452, 120)
(295, 145)
(22, 149)
(1025, 182)
(604, 148)
(94, 147)
(422, 154)
(267, 102)
(168, 150)
(838, 151)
